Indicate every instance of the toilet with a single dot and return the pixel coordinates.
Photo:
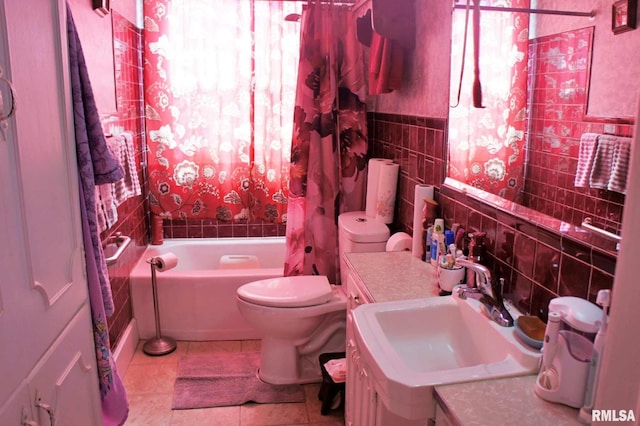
(301, 317)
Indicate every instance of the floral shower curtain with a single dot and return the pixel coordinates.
(329, 147)
(219, 92)
(487, 145)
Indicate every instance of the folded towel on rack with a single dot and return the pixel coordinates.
(620, 164)
(588, 144)
(109, 196)
(129, 185)
(385, 65)
(106, 208)
(602, 163)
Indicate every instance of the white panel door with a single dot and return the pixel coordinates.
(42, 282)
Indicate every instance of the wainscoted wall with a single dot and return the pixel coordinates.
(417, 144)
(537, 264)
(211, 228)
(132, 214)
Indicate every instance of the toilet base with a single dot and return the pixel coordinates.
(285, 362)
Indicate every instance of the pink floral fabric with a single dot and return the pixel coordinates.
(486, 146)
(328, 154)
(219, 80)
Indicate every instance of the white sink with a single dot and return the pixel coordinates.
(411, 346)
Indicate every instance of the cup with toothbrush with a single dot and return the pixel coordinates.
(448, 272)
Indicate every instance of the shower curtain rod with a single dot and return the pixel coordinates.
(327, 2)
(590, 14)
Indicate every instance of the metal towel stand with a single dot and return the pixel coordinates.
(159, 345)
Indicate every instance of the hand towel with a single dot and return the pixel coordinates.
(602, 163)
(106, 209)
(385, 65)
(588, 144)
(129, 185)
(620, 167)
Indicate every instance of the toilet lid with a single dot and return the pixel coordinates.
(288, 292)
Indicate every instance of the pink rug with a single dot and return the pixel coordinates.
(223, 379)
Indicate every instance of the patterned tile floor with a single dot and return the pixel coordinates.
(149, 383)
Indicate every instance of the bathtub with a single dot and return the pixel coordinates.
(197, 298)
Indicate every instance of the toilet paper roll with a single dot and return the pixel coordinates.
(399, 241)
(166, 261)
(420, 193)
(387, 187)
(373, 178)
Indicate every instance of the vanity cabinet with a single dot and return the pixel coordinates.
(47, 355)
(360, 398)
(363, 407)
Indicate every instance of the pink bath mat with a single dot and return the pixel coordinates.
(223, 379)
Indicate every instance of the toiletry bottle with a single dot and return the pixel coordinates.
(476, 254)
(427, 245)
(437, 240)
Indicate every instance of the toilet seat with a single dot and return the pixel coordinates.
(288, 292)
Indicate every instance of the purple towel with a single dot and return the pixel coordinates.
(96, 165)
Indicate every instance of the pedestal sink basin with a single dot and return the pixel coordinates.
(411, 346)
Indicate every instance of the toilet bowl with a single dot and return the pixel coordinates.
(301, 317)
(307, 318)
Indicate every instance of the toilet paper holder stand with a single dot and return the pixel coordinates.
(159, 345)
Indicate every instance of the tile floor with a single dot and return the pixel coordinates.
(149, 383)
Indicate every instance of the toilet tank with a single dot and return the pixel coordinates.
(358, 233)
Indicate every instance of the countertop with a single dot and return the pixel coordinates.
(510, 401)
(392, 276)
(395, 275)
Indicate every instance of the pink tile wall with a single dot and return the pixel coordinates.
(557, 110)
(132, 214)
(211, 228)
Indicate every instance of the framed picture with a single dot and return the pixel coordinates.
(623, 16)
(101, 7)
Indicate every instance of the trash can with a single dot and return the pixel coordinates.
(329, 390)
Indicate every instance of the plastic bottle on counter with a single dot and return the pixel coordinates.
(437, 241)
(427, 245)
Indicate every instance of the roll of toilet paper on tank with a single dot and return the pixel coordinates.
(420, 193)
(399, 241)
(373, 178)
(166, 261)
(387, 187)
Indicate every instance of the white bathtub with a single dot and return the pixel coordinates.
(197, 298)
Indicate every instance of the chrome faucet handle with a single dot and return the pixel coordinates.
(482, 271)
(490, 298)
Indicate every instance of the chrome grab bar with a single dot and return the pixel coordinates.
(587, 223)
(119, 240)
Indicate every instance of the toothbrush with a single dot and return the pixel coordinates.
(604, 300)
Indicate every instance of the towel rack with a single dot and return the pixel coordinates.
(121, 241)
(587, 223)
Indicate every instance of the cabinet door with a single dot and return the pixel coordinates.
(42, 285)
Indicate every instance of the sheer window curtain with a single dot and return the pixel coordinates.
(219, 94)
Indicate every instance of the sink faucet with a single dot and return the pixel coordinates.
(485, 293)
